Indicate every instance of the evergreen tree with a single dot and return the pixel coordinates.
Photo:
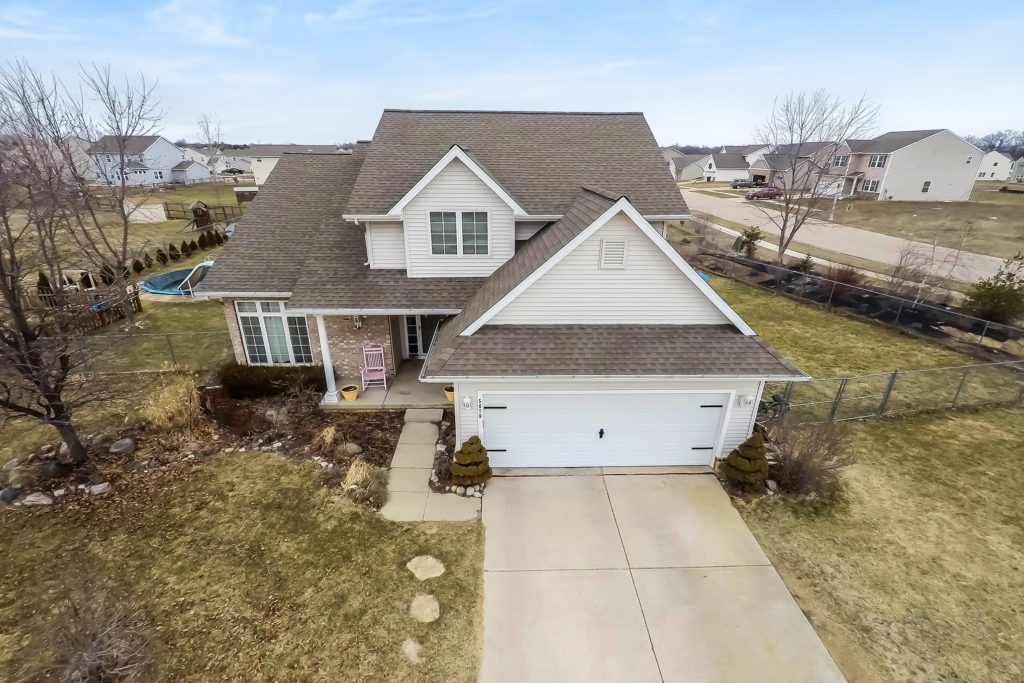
(747, 464)
(470, 465)
(161, 257)
(147, 260)
(184, 249)
(173, 252)
(137, 266)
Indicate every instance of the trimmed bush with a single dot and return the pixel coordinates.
(254, 381)
(173, 252)
(470, 465)
(193, 247)
(999, 298)
(747, 464)
(161, 257)
(147, 260)
(218, 238)
(137, 266)
(204, 242)
(184, 249)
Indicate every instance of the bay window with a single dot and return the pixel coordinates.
(270, 337)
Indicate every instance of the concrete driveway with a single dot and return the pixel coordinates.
(841, 239)
(634, 578)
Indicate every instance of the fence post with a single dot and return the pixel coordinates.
(832, 292)
(788, 392)
(888, 392)
(838, 400)
(899, 311)
(170, 348)
(959, 387)
(984, 330)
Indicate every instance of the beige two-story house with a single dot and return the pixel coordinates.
(517, 256)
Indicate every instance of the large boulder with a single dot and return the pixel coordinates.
(9, 494)
(124, 446)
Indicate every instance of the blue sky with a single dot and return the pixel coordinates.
(703, 72)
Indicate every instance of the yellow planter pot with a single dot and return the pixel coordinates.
(449, 392)
(350, 391)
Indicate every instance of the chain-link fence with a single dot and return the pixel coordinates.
(156, 352)
(900, 391)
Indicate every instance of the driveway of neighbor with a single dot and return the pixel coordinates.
(839, 238)
(640, 577)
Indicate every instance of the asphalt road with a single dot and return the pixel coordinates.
(843, 239)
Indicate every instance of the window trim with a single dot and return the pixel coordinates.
(834, 162)
(882, 160)
(970, 158)
(458, 232)
(260, 314)
(926, 186)
(875, 187)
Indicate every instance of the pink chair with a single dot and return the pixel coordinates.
(374, 372)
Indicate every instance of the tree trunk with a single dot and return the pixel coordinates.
(76, 451)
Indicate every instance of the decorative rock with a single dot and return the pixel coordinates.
(412, 650)
(470, 490)
(350, 448)
(461, 490)
(63, 449)
(452, 489)
(425, 567)
(276, 444)
(772, 485)
(193, 446)
(441, 448)
(10, 494)
(11, 464)
(36, 499)
(478, 495)
(98, 489)
(124, 446)
(424, 608)
(59, 493)
(53, 469)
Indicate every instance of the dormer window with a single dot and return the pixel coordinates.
(459, 232)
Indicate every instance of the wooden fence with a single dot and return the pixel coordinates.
(93, 311)
(217, 213)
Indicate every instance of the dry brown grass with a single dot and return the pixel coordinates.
(915, 573)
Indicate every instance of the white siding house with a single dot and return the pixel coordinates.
(995, 166)
(940, 168)
(139, 160)
(385, 244)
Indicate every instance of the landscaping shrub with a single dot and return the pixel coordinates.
(204, 242)
(184, 249)
(846, 279)
(173, 406)
(173, 252)
(470, 465)
(747, 464)
(747, 242)
(807, 457)
(999, 298)
(193, 247)
(147, 260)
(161, 257)
(804, 265)
(253, 381)
(137, 266)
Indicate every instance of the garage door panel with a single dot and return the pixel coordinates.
(564, 429)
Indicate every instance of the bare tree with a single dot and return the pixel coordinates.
(51, 237)
(803, 132)
(209, 134)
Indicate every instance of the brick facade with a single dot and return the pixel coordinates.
(346, 340)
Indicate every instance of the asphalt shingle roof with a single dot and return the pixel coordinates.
(133, 144)
(730, 161)
(541, 158)
(890, 142)
(278, 150)
(596, 350)
(687, 159)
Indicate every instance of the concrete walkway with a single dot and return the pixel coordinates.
(409, 496)
(839, 238)
(634, 578)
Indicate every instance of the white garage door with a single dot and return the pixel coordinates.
(607, 429)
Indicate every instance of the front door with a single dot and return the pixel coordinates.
(419, 331)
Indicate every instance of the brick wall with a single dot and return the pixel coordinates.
(347, 342)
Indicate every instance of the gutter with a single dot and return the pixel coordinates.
(479, 378)
(374, 311)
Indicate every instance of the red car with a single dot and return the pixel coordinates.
(764, 193)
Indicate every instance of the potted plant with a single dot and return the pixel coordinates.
(350, 391)
(449, 392)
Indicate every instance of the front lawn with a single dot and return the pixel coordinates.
(916, 574)
(247, 569)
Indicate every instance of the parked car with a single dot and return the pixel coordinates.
(742, 182)
(233, 171)
(764, 193)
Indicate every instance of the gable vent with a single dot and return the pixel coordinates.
(613, 253)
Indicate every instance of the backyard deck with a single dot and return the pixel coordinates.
(405, 390)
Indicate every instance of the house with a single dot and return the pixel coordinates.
(528, 270)
(909, 165)
(995, 166)
(789, 171)
(1017, 171)
(726, 167)
(751, 153)
(689, 166)
(230, 158)
(188, 172)
(192, 154)
(265, 157)
(141, 160)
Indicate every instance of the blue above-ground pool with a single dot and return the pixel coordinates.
(176, 282)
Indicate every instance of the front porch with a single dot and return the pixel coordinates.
(405, 390)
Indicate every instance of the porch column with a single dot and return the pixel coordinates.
(331, 396)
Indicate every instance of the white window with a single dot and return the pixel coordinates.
(613, 253)
(840, 160)
(926, 186)
(270, 337)
(878, 160)
(459, 232)
(982, 174)
(159, 175)
(970, 159)
(870, 186)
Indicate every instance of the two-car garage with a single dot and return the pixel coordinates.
(602, 428)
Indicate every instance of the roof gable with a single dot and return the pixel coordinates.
(133, 144)
(592, 210)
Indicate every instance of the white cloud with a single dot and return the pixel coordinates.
(194, 21)
(18, 22)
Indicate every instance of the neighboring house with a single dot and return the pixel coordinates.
(1017, 171)
(671, 153)
(527, 269)
(146, 159)
(265, 157)
(192, 154)
(725, 167)
(909, 165)
(188, 172)
(995, 166)
(689, 166)
(751, 153)
(232, 158)
(786, 171)
(80, 160)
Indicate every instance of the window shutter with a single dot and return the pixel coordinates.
(613, 253)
